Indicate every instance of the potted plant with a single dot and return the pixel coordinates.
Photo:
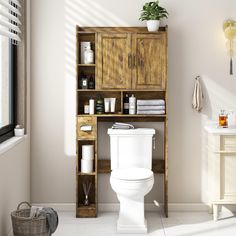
(152, 12)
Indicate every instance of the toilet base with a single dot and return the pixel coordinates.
(132, 229)
(131, 215)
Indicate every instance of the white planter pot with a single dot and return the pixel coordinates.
(153, 25)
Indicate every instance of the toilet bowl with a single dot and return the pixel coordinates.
(131, 185)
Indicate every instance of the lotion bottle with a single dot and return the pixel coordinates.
(132, 105)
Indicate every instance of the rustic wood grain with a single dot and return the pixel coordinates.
(113, 61)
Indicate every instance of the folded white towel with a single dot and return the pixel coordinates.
(153, 108)
(197, 101)
(154, 102)
(119, 125)
(151, 112)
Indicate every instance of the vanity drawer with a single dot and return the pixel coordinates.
(88, 123)
(228, 143)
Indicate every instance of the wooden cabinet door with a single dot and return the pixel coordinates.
(114, 61)
(149, 61)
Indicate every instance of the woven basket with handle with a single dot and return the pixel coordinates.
(24, 225)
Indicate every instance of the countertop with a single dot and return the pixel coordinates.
(214, 129)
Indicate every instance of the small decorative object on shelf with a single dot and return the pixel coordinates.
(113, 104)
(107, 104)
(88, 55)
(91, 83)
(86, 107)
(85, 82)
(99, 106)
(126, 104)
(19, 131)
(223, 119)
(231, 119)
(152, 12)
(91, 106)
(132, 105)
(83, 47)
(86, 188)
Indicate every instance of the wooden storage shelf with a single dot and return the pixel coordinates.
(81, 173)
(123, 64)
(158, 166)
(87, 65)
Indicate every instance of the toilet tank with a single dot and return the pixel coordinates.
(131, 148)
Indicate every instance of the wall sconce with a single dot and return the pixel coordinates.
(229, 28)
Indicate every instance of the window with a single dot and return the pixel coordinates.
(7, 87)
(9, 38)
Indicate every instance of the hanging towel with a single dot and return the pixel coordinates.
(197, 102)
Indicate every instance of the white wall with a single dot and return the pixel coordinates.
(196, 47)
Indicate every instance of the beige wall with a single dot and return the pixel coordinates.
(196, 47)
(14, 182)
(15, 164)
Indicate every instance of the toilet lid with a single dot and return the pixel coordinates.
(132, 174)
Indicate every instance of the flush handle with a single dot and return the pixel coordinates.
(154, 142)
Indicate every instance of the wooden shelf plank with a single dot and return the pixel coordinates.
(86, 211)
(81, 173)
(87, 65)
(123, 91)
(121, 115)
(158, 166)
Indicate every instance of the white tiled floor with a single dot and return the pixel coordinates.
(178, 224)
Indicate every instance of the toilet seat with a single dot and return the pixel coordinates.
(132, 174)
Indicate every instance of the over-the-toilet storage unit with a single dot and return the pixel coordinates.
(128, 60)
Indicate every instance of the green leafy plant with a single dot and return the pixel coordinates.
(153, 11)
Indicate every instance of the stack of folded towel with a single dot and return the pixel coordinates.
(119, 125)
(151, 107)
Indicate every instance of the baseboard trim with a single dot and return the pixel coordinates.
(105, 207)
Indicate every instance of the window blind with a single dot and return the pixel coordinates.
(10, 19)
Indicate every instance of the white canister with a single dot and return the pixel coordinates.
(86, 166)
(87, 152)
(91, 106)
(83, 47)
(88, 55)
(132, 105)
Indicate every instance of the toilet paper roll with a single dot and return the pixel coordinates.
(86, 166)
(87, 152)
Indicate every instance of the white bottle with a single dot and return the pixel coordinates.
(88, 55)
(91, 106)
(132, 105)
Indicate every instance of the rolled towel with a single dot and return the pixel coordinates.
(155, 102)
(147, 108)
(151, 112)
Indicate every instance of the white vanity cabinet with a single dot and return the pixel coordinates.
(221, 167)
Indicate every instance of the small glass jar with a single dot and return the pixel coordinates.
(223, 119)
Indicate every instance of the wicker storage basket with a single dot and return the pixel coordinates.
(23, 225)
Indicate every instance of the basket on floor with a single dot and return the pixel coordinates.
(24, 225)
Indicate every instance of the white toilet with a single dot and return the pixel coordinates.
(131, 176)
